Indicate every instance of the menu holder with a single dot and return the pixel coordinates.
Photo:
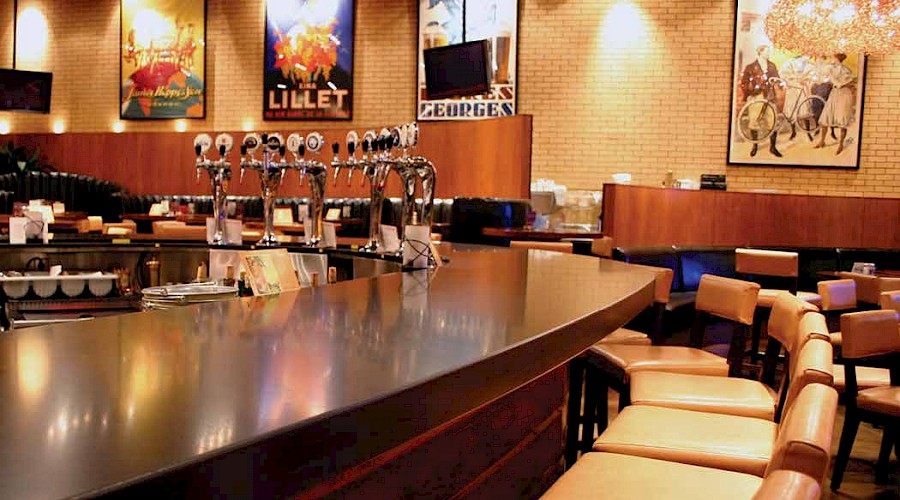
(270, 271)
(390, 242)
(329, 235)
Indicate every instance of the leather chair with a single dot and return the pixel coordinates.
(777, 269)
(869, 288)
(838, 297)
(554, 246)
(175, 230)
(792, 323)
(891, 300)
(602, 247)
(874, 335)
(124, 228)
(740, 444)
(612, 365)
(624, 477)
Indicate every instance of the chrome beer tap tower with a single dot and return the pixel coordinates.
(317, 172)
(271, 171)
(219, 177)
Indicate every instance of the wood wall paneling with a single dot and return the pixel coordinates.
(642, 216)
(478, 158)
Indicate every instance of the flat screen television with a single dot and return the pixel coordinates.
(457, 70)
(25, 90)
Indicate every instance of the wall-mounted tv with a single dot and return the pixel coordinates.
(457, 70)
(25, 90)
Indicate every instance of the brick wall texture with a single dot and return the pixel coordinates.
(603, 99)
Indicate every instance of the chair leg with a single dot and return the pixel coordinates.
(697, 330)
(736, 351)
(888, 441)
(573, 410)
(592, 399)
(624, 397)
(756, 335)
(848, 436)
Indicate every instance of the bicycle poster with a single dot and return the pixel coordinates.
(788, 108)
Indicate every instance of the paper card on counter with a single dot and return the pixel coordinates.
(333, 214)
(59, 207)
(302, 213)
(34, 204)
(156, 209)
(329, 235)
(233, 229)
(17, 230)
(390, 242)
(270, 271)
(417, 246)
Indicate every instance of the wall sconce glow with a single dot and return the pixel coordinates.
(32, 34)
(4, 127)
(624, 27)
(59, 127)
(118, 127)
(247, 126)
(150, 25)
(180, 126)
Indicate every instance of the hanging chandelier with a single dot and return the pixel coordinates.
(824, 27)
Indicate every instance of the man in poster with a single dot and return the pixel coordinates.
(756, 84)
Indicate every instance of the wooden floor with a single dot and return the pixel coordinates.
(859, 479)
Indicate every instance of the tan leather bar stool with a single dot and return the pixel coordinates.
(874, 335)
(869, 288)
(612, 365)
(838, 296)
(770, 265)
(739, 444)
(602, 247)
(807, 362)
(890, 300)
(578, 369)
(555, 246)
(623, 477)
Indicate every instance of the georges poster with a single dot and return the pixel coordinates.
(308, 60)
(792, 109)
(448, 22)
(163, 59)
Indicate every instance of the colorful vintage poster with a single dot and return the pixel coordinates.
(308, 60)
(788, 108)
(448, 22)
(163, 71)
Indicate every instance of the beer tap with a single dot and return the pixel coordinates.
(271, 174)
(424, 169)
(318, 179)
(376, 167)
(219, 172)
(408, 177)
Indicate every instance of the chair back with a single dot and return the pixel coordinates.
(803, 442)
(813, 363)
(870, 333)
(867, 287)
(662, 282)
(602, 247)
(767, 262)
(555, 246)
(891, 300)
(784, 321)
(838, 295)
(781, 484)
(727, 298)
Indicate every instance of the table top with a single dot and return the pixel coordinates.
(109, 404)
(528, 233)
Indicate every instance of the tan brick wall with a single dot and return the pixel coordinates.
(663, 102)
(6, 15)
(600, 105)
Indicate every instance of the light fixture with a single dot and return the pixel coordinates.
(59, 127)
(118, 127)
(825, 27)
(4, 127)
(180, 125)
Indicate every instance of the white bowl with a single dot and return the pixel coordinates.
(72, 288)
(15, 289)
(45, 288)
(100, 287)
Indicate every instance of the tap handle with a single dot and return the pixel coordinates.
(282, 150)
(336, 148)
(301, 150)
(365, 146)
(243, 150)
(351, 148)
(222, 150)
(265, 139)
(198, 149)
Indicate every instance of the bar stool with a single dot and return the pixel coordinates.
(891, 300)
(555, 246)
(612, 365)
(806, 362)
(777, 268)
(739, 444)
(602, 247)
(874, 335)
(838, 296)
(869, 288)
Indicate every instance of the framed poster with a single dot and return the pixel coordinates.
(449, 22)
(308, 72)
(788, 108)
(163, 59)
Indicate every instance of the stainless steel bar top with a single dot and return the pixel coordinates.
(265, 396)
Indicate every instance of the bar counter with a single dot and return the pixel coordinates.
(306, 393)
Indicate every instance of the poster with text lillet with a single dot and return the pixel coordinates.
(163, 59)
(308, 68)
